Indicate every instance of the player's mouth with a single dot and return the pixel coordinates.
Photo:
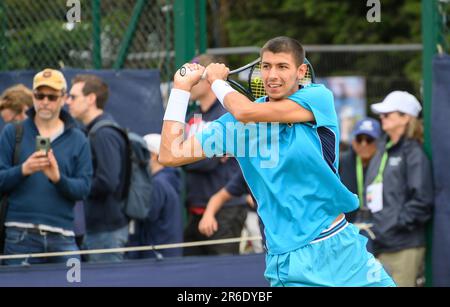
(273, 87)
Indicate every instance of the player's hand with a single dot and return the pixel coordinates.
(216, 71)
(188, 76)
(35, 163)
(52, 170)
(208, 225)
(250, 201)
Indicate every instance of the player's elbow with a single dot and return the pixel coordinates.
(166, 159)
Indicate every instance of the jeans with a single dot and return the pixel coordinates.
(103, 240)
(25, 241)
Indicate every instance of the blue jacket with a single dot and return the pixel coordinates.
(35, 199)
(103, 208)
(164, 224)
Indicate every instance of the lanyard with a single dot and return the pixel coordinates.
(360, 174)
(379, 177)
(360, 180)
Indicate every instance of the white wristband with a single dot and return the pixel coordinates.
(221, 89)
(177, 106)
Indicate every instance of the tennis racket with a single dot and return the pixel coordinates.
(247, 79)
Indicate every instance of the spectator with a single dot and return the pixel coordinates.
(399, 188)
(207, 177)
(44, 187)
(236, 187)
(106, 224)
(14, 102)
(164, 224)
(353, 167)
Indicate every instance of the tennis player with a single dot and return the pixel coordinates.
(300, 198)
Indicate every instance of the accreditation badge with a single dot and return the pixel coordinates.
(374, 197)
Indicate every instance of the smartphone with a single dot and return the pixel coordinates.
(42, 144)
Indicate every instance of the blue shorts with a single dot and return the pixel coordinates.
(339, 259)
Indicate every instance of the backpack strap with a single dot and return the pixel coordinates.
(105, 123)
(19, 136)
(113, 124)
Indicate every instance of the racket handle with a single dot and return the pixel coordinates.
(183, 72)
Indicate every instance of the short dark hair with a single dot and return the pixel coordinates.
(93, 85)
(285, 44)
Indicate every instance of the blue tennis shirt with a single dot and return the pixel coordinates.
(291, 169)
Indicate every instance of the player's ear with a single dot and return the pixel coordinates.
(301, 71)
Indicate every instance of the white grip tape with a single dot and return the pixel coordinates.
(177, 106)
(221, 88)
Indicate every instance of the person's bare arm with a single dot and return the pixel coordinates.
(208, 224)
(244, 110)
(174, 150)
(284, 111)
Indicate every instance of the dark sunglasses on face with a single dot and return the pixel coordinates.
(41, 96)
(386, 115)
(361, 138)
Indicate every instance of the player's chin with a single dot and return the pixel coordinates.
(275, 94)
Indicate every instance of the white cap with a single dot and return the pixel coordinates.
(153, 142)
(398, 101)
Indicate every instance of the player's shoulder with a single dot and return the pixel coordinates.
(315, 88)
(313, 92)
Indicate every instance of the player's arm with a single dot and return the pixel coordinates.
(244, 110)
(284, 111)
(174, 149)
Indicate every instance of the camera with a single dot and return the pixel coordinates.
(42, 144)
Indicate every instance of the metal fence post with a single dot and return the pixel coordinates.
(202, 35)
(430, 40)
(131, 30)
(184, 18)
(96, 34)
(3, 45)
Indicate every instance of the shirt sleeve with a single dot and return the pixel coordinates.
(319, 100)
(10, 175)
(237, 185)
(218, 138)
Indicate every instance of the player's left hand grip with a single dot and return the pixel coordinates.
(183, 72)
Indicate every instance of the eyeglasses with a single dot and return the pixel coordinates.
(361, 138)
(50, 97)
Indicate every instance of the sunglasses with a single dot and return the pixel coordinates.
(386, 115)
(50, 97)
(360, 138)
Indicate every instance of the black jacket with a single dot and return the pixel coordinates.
(347, 173)
(103, 207)
(407, 196)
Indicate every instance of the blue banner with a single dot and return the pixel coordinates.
(135, 98)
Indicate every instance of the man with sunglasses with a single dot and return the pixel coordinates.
(353, 165)
(43, 187)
